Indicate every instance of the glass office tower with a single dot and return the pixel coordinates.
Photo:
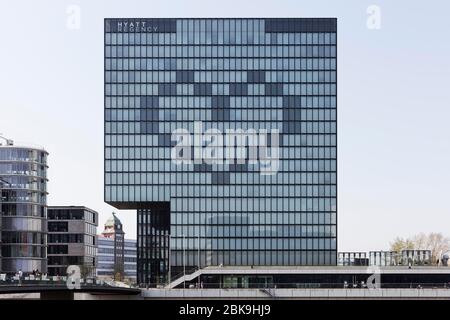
(162, 75)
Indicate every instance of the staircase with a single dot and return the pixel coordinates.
(268, 292)
(186, 277)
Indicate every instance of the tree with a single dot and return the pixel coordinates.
(435, 242)
(87, 271)
(400, 244)
(420, 241)
(438, 244)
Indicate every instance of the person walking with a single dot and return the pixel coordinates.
(20, 276)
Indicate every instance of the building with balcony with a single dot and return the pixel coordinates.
(23, 208)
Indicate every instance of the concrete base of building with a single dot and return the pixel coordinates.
(90, 296)
(57, 295)
(20, 296)
(298, 294)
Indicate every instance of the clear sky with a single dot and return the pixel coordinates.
(393, 102)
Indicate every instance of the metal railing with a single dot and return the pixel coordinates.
(49, 282)
(349, 286)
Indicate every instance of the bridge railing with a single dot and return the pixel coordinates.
(383, 285)
(51, 281)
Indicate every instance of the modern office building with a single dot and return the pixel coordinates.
(105, 256)
(387, 258)
(221, 133)
(23, 208)
(352, 259)
(116, 255)
(72, 239)
(114, 230)
(384, 258)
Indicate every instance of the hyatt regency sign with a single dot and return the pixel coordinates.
(138, 26)
(141, 25)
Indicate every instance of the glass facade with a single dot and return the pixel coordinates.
(72, 234)
(106, 260)
(251, 74)
(23, 209)
(352, 259)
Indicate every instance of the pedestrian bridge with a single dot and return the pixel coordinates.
(60, 289)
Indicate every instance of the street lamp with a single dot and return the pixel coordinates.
(198, 261)
(184, 263)
(2, 183)
(169, 259)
